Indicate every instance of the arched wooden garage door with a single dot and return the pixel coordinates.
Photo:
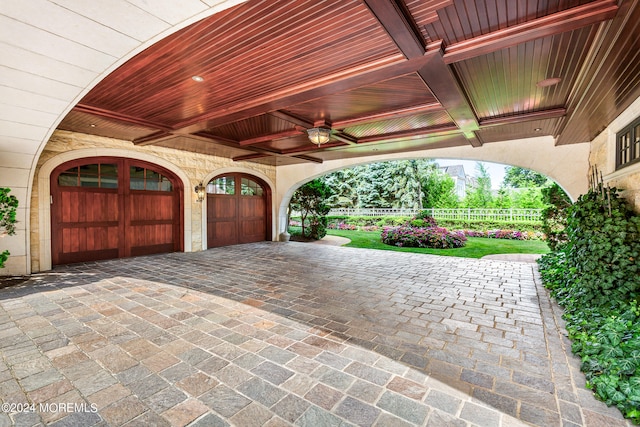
(109, 207)
(237, 210)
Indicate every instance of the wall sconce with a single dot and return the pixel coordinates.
(200, 192)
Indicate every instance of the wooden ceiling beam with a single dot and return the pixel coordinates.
(445, 86)
(311, 148)
(153, 138)
(257, 151)
(560, 22)
(384, 69)
(428, 131)
(272, 137)
(436, 73)
(292, 118)
(308, 158)
(120, 117)
(397, 21)
(250, 157)
(553, 113)
(388, 115)
(342, 137)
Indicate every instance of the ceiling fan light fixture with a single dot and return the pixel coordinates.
(319, 136)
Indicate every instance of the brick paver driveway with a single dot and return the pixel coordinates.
(289, 334)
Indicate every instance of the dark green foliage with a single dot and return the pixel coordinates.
(423, 220)
(310, 201)
(554, 217)
(518, 177)
(479, 195)
(596, 278)
(8, 208)
(604, 248)
(490, 225)
(390, 221)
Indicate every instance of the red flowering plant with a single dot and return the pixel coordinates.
(423, 233)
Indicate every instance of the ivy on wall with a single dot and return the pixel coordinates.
(596, 278)
(8, 207)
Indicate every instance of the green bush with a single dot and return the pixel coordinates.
(490, 225)
(596, 278)
(416, 237)
(554, 216)
(8, 208)
(392, 221)
(604, 249)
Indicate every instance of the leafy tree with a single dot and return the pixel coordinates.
(406, 186)
(374, 186)
(8, 207)
(310, 200)
(480, 195)
(344, 186)
(528, 198)
(517, 177)
(503, 199)
(554, 216)
(438, 188)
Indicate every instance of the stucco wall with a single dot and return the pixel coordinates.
(603, 156)
(192, 168)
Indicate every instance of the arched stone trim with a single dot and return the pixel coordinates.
(246, 171)
(44, 192)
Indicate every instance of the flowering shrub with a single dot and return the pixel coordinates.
(342, 226)
(370, 228)
(505, 234)
(430, 237)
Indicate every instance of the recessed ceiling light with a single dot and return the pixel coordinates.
(549, 82)
(537, 129)
(92, 125)
(197, 79)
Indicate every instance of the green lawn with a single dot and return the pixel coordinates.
(476, 247)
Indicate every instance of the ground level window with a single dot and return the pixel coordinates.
(628, 145)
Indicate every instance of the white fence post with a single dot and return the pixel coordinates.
(447, 214)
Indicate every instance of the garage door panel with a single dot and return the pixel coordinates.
(77, 239)
(91, 223)
(151, 207)
(252, 231)
(236, 211)
(221, 208)
(251, 207)
(222, 233)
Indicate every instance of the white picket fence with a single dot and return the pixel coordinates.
(449, 214)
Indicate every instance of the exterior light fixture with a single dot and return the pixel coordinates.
(200, 192)
(319, 136)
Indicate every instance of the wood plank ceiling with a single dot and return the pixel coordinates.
(384, 75)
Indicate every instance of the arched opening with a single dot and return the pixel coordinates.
(113, 207)
(238, 210)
